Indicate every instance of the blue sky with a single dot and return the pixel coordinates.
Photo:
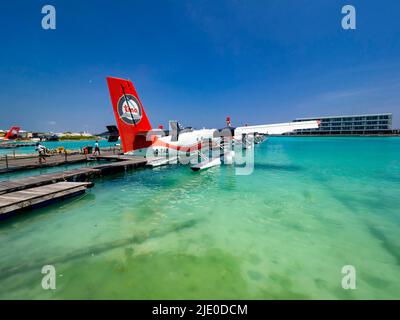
(197, 61)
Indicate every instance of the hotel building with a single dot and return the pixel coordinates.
(366, 124)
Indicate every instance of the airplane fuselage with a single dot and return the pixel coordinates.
(187, 142)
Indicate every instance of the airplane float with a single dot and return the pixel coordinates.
(167, 146)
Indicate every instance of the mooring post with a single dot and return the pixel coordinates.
(65, 153)
(6, 162)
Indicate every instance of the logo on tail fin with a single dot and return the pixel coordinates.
(129, 109)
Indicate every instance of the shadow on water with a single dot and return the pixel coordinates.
(37, 264)
(386, 243)
(281, 167)
(351, 203)
(43, 210)
(214, 274)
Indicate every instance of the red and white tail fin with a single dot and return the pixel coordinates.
(12, 133)
(131, 118)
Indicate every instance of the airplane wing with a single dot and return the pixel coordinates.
(278, 128)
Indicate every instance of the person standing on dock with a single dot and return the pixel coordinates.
(42, 152)
(96, 148)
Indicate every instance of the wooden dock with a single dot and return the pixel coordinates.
(115, 157)
(119, 163)
(29, 163)
(81, 174)
(37, 196)
(39, 189)
(11, 163)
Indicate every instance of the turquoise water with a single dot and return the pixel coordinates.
(312, 206)
(70, 145)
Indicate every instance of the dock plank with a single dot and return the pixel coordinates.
(17, 200)
(32, 162)
(119, 157)
(80, 174)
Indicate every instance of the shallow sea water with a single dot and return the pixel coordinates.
(311, 206)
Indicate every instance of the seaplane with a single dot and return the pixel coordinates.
(12, 134)
(202, 148)
(7, 142)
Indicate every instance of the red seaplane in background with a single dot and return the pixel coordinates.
(12, 134)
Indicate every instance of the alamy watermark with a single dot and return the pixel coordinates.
(49, 279)
(349, 20)
(49, 20)
(349, 280)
